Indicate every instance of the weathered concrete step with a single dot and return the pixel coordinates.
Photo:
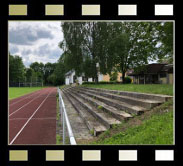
(147, 96)
(106, 119)
(130, 100)
(118, 114)
(66, 87)
(132, 109)
(94, 126)
(79, 128)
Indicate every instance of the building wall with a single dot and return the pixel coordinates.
(100, 77)
(171, 78)
(163, 80)
(106, 77)
(80, 81)
(67, 81)
(119, 77)
(167, 80)
(90, 80)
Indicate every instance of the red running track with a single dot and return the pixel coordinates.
(32, 118)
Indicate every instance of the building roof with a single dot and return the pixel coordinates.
(168, 68)
(69, 73)
(155, 68)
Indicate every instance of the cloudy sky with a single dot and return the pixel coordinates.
(35, 40)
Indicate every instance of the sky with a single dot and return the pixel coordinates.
(35, 40)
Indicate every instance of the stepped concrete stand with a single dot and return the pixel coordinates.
(101, 109)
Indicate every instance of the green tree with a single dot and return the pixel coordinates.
(36, 67)
(29, 74)
(48, 70)
(58, 76)
(16, 68)
(121, 47)
(38, 73)
(72, 44)
(165, 35)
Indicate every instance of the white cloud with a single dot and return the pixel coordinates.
(35, 40)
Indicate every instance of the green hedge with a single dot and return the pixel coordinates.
(127, 80)
(101, 82)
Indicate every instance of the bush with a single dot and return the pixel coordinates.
(127, 80)
(101, 82)
(113, 76)
(108, 82)
(88, 83)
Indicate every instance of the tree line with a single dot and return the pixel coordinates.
(108, 47)
(37, 72)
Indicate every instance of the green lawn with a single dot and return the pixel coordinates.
(154, 127)
(147, 88)
(17, 92)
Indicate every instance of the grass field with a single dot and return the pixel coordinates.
(17, 92)
(154, 127)
(147, 88)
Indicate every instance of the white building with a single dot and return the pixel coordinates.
(71, 78)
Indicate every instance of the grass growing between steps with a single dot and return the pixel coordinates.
(63, 86)
(165, 89)
(153, 127)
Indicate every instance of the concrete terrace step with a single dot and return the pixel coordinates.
(132, 109)
(79, 128)
(93, 125)
(118, 114)
(130, 100)
(147, 96)
(106, 119)
(66, 87)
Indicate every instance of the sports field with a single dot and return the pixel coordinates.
(32, 118)
(17, 92)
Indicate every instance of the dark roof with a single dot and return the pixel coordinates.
(155, 68)
(168, 68)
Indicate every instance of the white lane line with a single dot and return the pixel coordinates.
(30, 118)
(24, 98)
(25, 105)
(46, 118)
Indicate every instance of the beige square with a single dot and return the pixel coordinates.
(54, 10)
(127, 10)
(91, 155)
(90, 10)
(18, 155)
(163, 10)
(54, 155)
(15, 10)
(127, 155)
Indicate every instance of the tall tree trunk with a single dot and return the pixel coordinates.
(123, 76)
(96, 75)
